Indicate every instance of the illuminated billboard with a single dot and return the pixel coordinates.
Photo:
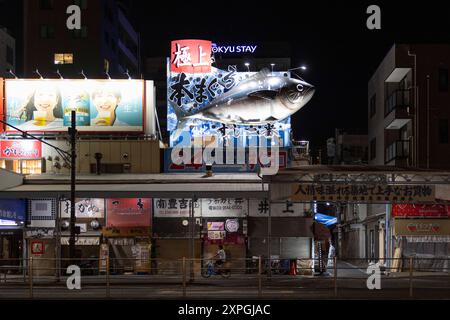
(100, 105)
(228, 103)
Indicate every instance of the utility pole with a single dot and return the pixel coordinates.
(73, 135)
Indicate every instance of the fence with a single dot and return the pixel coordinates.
(202, 278)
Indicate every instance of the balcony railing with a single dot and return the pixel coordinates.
(399, 99)
(397, 150)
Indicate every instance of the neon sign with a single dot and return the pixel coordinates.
(233, 49)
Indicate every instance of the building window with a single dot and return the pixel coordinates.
(80, 33)
(63, 58)
(443, 79)
(373, 148)
(372, 106)
(47, 32)
(46, 4)
(443, 130)
(9, 55)
(81, 3)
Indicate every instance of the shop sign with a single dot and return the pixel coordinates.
(20, 149)
(420, 210)
(103, 256)
(224, 207)
(260, 208)
(42, 209)
(126, 232)
(37, 247)
(363, 193)
(175, 208)
(141, 252)
(84, 208)
(83, 227)
(215, 226)
(191, 56)
(13, 210)
(39, 233)
(421, 227)
(232, 225)
(82, 241)
(128, 212)
(216, 235)
(233, 48)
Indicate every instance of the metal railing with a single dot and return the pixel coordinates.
(252, 277)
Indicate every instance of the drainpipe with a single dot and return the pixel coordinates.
(428, 121)
(416, 113)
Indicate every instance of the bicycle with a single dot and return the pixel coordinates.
(212, 269)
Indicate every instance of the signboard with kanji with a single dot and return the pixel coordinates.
(363, 193)
(175, 208)
(192, 56)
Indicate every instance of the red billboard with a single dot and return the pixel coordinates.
(190, 56)
(420, 210)
(20, 149)
(129, 212)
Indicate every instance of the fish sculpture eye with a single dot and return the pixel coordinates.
(300, 87)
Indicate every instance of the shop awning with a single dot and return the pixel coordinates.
(329, 221)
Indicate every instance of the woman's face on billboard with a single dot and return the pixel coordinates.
(45, 99)
(105, 101)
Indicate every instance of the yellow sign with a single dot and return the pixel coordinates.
(421, 227)
(363, 193)
(110, 232)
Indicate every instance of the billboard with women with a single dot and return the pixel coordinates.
(100, 105)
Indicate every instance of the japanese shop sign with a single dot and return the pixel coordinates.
(20, 149)
(421, 227)
(37, 247)
(126, 232)
(12, 210)
(84, 208)
(216, 235)
(420, 210)
(173, 208)
(215, 226)
(190, 56)
(224, 207)
(129, 212)
(260, 208)
(82, 241)
(363, 193)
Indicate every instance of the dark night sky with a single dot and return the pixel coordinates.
(329, 36)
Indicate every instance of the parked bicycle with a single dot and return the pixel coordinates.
(213, 269)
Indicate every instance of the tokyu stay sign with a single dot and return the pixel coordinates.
(363, 193)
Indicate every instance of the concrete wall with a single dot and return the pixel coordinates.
(142, 155)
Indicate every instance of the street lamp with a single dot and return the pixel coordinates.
(247, 64)
(272, 65)
(68, 157)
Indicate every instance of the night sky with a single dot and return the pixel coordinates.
(330, 37)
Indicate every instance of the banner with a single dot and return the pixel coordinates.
(260, 208)
(12, 210)
(100, 105)
(20, 149)
(84, 208)
(422, 227)
(224, 207)
(193, 56)
(128, 212)
(363, 193)
(175, 208)
(420, 210)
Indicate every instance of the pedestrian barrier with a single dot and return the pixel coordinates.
(182, 278)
